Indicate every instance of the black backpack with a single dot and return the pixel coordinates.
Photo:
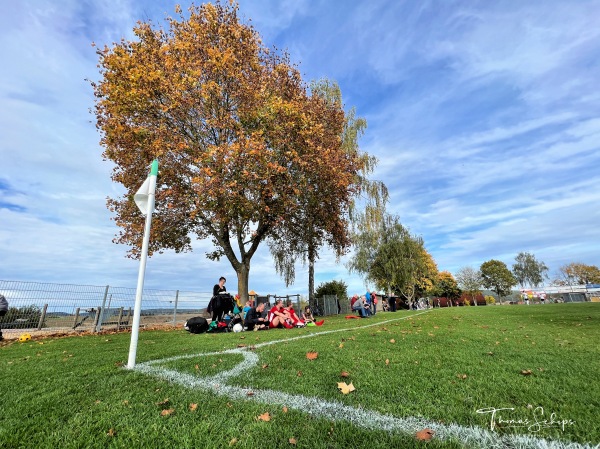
(196, 325)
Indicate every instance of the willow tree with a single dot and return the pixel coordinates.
(320, 222)
(239, 138)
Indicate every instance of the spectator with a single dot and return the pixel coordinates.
(291, 315)
(3, 310)
(249, 305)
(374, 302)
(254, 319)
(359, 305)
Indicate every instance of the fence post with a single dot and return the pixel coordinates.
(175, 308)
(76, 318)
(101, 311)
(96, 318)
(120, 318)
(42, 317)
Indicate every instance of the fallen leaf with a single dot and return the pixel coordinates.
(461, 376)
(167, 412)
(285, 409)
(278, 357)
(265, 366)
(233, 441)
(229, 405)
(344, 374)
(341, 345)
(264, 417)
(292, 441)
(241, 345)
(387, 362)
(125, 402)
(242, 337)
(425, 435)
(526, 372)
(392, 341)
(111, 432)
(250, 393)
(345, 388)
(312, 355)
(193, 407)
(299, 374)
(197, 367)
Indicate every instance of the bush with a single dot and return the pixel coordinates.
(490, 300)
(21, 318)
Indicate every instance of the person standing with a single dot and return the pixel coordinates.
(3, 310)
(216, 306)
(220, 287)
(374, 302)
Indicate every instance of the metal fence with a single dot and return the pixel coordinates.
(43, 307)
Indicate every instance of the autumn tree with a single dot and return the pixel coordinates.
(469, 280)
(577, 273)
(239, 139)
(496, 276)
(317, 221)
(528, 270)
(445, 286)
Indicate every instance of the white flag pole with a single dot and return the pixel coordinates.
(144, 197)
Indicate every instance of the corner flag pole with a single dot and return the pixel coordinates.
(144, 198)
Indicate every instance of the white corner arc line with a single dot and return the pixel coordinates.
(336, 411)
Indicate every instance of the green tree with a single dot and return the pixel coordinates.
(239, 138)
(337, 288)
(496, 276)
(529, 271)
(393, 259)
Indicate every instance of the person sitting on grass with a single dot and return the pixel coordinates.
(359, 306)
(292, 316)
(309, 319)
(277, 316)
(248, 306)
(254, 320)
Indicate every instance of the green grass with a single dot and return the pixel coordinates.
(443, 366)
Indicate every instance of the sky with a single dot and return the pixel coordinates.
(484, 116)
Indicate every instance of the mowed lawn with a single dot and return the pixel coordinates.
(539, 364)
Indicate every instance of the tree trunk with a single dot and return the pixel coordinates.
(311, 278)
(243, 273)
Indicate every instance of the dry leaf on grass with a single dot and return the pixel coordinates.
(387, 362)
(345, 388)
(111, 432)
(250, 393)
(193, 407)
(292, 441)
(285, 409)
(461, 376)
(341, 345)
(265, 366)
(392, 341)
(233, 441)
(264, 417)
(344, 374)
(299, 374)
(167, 412)
(312, 355)
(425, 435)
(526, 372)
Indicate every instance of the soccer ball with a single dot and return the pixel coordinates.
(237, 327)
(24, 337)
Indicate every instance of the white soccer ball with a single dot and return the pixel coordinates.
(238, 327)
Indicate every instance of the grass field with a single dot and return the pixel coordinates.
(537, 366)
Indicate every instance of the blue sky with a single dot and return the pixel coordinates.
(485, 117)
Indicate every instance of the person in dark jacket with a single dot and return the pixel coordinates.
(3, 309)
(254, 319)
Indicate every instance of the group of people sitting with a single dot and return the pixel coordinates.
(278, 316)
(365, 305)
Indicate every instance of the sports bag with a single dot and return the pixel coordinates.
(196, 325)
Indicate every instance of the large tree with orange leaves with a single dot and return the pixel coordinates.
(238, 138)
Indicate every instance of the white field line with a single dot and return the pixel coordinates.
(336, 411)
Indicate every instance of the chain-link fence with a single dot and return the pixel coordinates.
(330, 305)
(48, 308)
(57, 308)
